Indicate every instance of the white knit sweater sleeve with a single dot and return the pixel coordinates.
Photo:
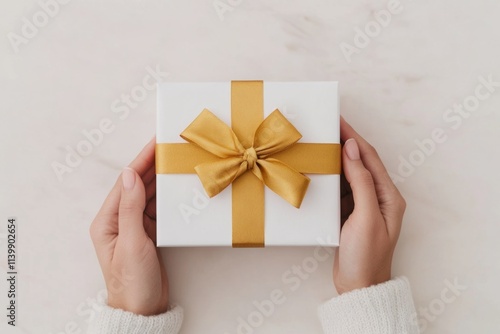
(385, 308)
(115, 321)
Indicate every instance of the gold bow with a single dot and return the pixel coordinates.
(273, 135)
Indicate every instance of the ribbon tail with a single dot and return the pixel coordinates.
(217, 175)
(283, 180)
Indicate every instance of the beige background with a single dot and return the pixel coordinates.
(65, 78)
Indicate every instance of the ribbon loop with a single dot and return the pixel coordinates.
(213, 135)
(275, 134)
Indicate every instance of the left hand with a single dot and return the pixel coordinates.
(124, 237)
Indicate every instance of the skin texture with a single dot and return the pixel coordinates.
(124, 230)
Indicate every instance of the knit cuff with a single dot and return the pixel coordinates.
(115, 321)
(384, 308)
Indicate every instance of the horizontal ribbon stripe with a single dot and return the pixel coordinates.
(312, 158)
(180, 158)
(307, 158)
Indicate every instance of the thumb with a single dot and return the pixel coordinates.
(361, 181)
(132, 203)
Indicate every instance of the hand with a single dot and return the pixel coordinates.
(124, 236)
(370, 233)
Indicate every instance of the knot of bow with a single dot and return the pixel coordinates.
(273, 135)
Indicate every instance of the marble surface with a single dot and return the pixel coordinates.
(69, 74)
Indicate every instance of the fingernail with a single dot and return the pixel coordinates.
(351, 149)
(128, 178)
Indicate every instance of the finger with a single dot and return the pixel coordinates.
(132, 204)
(146, 159)
(369, 156)
(360, 179)
(385, 188)
(391, 202)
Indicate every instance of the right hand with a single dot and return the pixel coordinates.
(370, 233)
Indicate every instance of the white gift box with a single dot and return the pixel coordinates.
(185, 214)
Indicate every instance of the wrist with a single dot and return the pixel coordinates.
(347, 285)
(145, 309)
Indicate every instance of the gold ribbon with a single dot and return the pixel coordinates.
(221, 155)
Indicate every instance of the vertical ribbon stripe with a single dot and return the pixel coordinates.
(247, 112)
